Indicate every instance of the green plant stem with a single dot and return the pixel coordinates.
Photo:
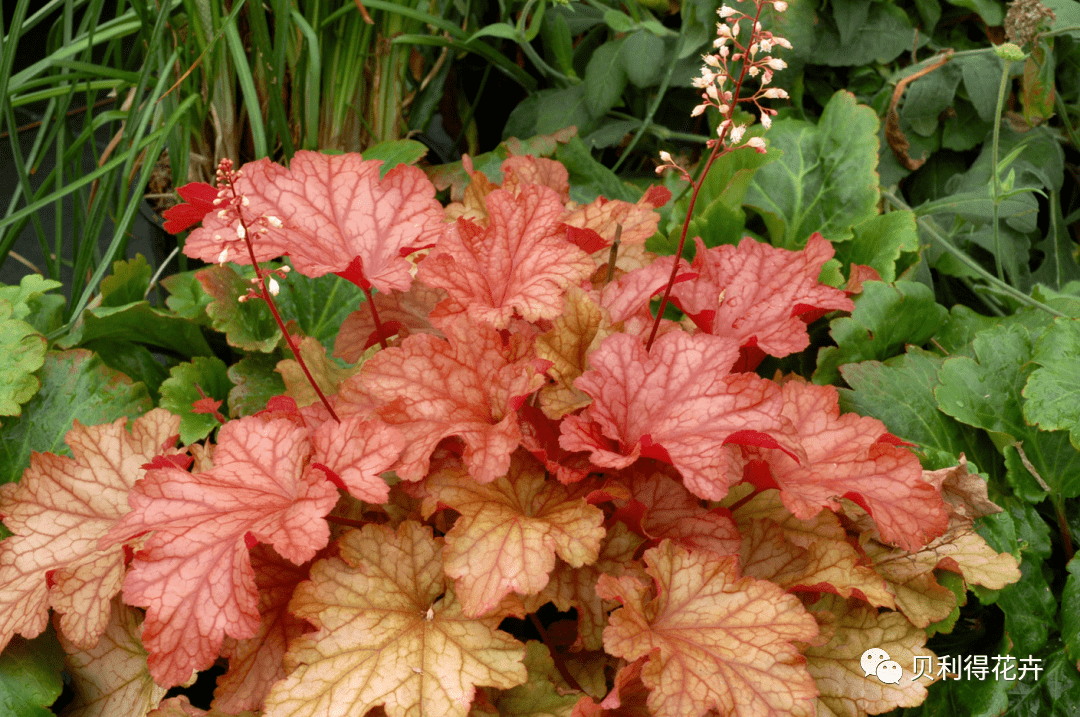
(1003, 288)
(655, 106)
(996, 175)
(1063, 110)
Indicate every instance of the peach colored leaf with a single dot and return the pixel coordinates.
(519, 171)
(111, 679)
(852, 628)
(340, 217)
(57, 513)
(390, 632)
(510, 531)
(469, 386)
(918, 595)
(326, 372)
(571, 587)
(851, 457)
(219, 234)
(827, 562)
(663, 508)
(566, 346)
(755, 293)
(181, 707)
(965, 493)
(194, 576)
(677, 403)
(358, 451)
(714, 640)
(400, 313)
(256, 663)
(603, 216)
(519, 263)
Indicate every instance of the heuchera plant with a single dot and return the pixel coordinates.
(521, 430)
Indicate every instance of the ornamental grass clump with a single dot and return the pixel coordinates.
(520, 437)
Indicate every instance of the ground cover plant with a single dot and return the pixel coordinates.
(498, 457)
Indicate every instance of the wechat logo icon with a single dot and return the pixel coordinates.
(876, 661)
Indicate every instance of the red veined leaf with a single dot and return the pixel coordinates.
(754, 293)
(519, 263)
(194, 576)
(57, 513)
(679, 399)
(469, 385)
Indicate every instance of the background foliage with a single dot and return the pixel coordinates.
(901, 144)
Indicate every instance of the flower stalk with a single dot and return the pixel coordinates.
(715, 73)
(265, 280)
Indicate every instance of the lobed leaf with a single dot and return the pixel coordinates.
(713, 640)
(390, 632)
(510, 531)
(58, 512)
(194, 576)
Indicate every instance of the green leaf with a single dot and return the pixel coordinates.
(1029, 607)
(985, 391)
(982, 76)
(75, 386)
(589, 178)
(619, 21)
(128, 282)
(318, 306)
(22, 353)
(886, 317)
(29, 287)
(545, 692)
(549, 111)
(825, 179)
(1067, 14)
(140, 323)
(135, 361)
(992, 12)
(929, 96)
(255, 382)
(1050, 455)
(1055, 693)
(1070, 609)
(964, 129)
(1053, 389)
(30, 678)
(879, 241)
(900, 394)
(181, 390)
(605, 79)
(186, 296)
(644, 59)
(883, 34)
(496, 29)
(247, 325)
(395, 152)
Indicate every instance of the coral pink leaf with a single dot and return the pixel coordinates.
(755, 292)
(337, 209)
(520, 262)
(680, 396)
(713, 640)
(465, 386)
(198, 202)
(510, 531)
(846, 459)
(57, 513)
(194, 575)
(256, 663)
(357, 451)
